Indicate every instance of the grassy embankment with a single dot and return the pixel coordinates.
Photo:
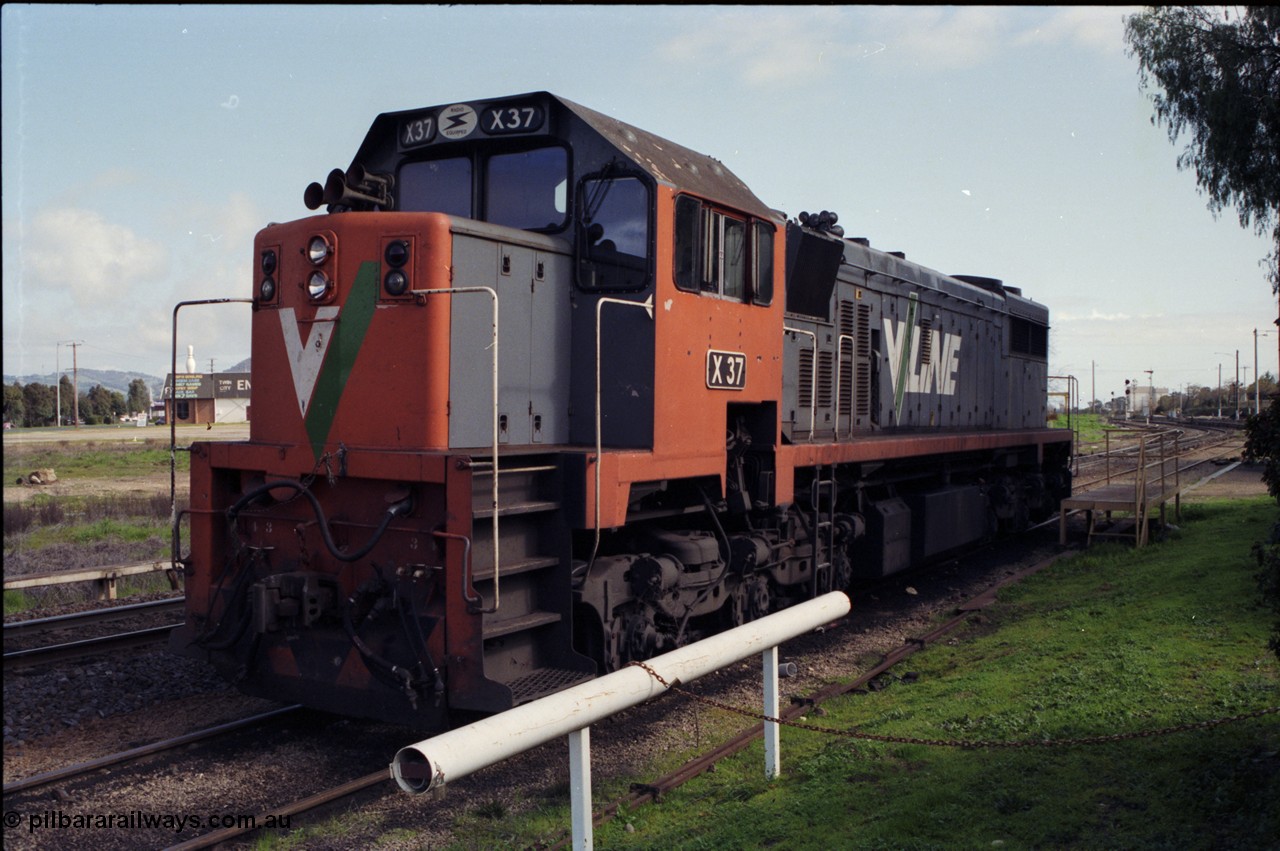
(1112, 641)
(89, 525)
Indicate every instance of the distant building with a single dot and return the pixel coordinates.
(221, 397)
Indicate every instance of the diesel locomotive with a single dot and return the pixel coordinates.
(540, 393)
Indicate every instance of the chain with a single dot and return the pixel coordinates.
(952, 743)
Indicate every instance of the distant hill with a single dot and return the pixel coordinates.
(108, 378)
(111, 379)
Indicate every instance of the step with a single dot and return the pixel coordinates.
(544, 681)
(514, 567)
(532, 620)
(514, 508)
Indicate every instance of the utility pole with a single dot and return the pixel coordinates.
(1151, 394)
(75, 384)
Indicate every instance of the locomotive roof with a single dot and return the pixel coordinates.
(545, 114)
(988, 292)
(672, 163)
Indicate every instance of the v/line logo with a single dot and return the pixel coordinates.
(903, 342)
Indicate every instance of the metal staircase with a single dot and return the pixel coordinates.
(528, 634)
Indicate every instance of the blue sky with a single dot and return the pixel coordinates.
(143, 146)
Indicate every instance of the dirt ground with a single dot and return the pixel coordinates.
(1233, 482)
(141, 485)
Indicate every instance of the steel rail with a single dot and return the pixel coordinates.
(335, 793)
(79, 768)
(16, 629)
(17, 659)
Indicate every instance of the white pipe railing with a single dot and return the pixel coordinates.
(432, 763)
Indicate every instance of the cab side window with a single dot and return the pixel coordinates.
(722, 254)
(614, 234)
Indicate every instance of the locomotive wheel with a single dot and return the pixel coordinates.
(739, 603)
(759, 598)
(825, 577)
(842, 567)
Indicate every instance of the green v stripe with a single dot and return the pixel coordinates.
(348, 336)
(904, 361)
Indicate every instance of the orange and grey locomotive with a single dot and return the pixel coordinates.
(541, 393)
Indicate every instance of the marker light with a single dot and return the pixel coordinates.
(318, 250)
(318, 286)
(396, 282)
(397, 254)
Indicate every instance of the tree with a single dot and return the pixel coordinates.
(139, 401)
(67, 394)
(39, 402)
(1262, 443)
(1220, 75)
(15, 408)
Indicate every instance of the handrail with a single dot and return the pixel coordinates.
(647, 304)
(853, 366)
(813, 380)
(172, 415)
(493, 295)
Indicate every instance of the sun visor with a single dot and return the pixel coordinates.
(812, 262)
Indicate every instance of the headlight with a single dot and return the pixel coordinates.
(318, 250)
(268, 262)
(318, 286)
(397, 254)
(396, 282)
(267, 290)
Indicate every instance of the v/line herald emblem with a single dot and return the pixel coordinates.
(927, 362)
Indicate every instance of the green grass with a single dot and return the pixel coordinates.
(108, 459)
(1089, 428)
(1115, 641)
(51, 532)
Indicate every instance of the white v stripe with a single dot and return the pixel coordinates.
(305, 361)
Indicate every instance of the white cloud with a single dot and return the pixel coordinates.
(774, 47)
(938, 38)
(1095, 27)
(81, 253)
(782, 46)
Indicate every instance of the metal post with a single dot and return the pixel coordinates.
(772, 739)
(580, 787)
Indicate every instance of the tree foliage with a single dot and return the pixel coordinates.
(139, 400)
(1219, 70)
(15, 408)
(1262, 444)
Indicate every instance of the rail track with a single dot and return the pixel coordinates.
(43, 651)
(1192, 445)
